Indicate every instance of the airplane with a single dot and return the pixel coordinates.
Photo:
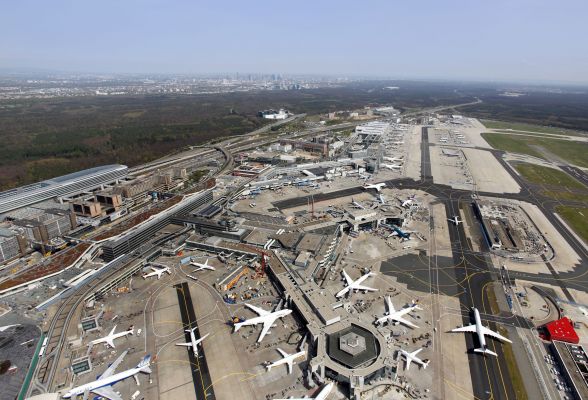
(103, 385)
(392, 159)
(390, 166)
(193, 342)
(108, 340)
(266, 318)
(202, 267)
(355, 204)
(455, 220)
(287, 359)
(355, 285)
(158, 272)
(377, 186)
(406, 203)
(396, 231)
(322, 394)
(410, 357)
(481, 331)
(395, 317)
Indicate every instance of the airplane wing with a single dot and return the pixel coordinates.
(495, 335)
(414, 353)
(260, 311)
(469, 328)
(360, 287)
(283, 353)
(110, 370)
(266, 327)
(112, 331)
(107, 392)
(290, 366)
(405, 322)
(391, 308)
(361, 279)
(347, 278)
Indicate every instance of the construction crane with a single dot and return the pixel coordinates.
(260, 271)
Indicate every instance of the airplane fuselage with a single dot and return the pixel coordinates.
(479, 330)
(102, 382)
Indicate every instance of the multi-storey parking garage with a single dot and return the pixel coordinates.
(65, 185)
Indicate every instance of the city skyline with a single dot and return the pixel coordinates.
(526, 42)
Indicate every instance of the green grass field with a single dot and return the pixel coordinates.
(520, 126)
(547, 176)
(576, 218)
(573, 152)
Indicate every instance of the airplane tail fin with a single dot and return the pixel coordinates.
(144, 364)
(485, 351)
(190, 330)
(425, 365)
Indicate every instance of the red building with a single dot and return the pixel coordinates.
(561, 329)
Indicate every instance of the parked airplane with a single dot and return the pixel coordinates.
(193, 342)
(287, 359)
(158, 272)
(103, 385)
(455, 220)
(201, 266)
(266, 318)
(391, 166)
(355, 204)
(481, 331)
(377, 186)
(411, 357)
(109, 339)
(355, 285)
(392, 159)
(322, 394)
(395, 317)
(406, 203)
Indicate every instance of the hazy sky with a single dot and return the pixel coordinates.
(470, 39)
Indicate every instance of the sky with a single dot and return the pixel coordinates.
(497, 40)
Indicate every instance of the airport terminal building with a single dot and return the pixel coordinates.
(61, 186)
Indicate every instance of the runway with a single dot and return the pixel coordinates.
(200, 374)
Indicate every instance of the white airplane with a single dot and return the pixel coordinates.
(193, 342)
(287, 359)
(395, 317)
(266, 318)
(103, 385)
(391, 166)
(406, 203)
(355, 285)
(455, 220)
(355, 204)
(322, 395)
(158, 272)
(377, 186)
(392, 159)
(410, 357)
(481, 331)
(202, 267)
(109, 339)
